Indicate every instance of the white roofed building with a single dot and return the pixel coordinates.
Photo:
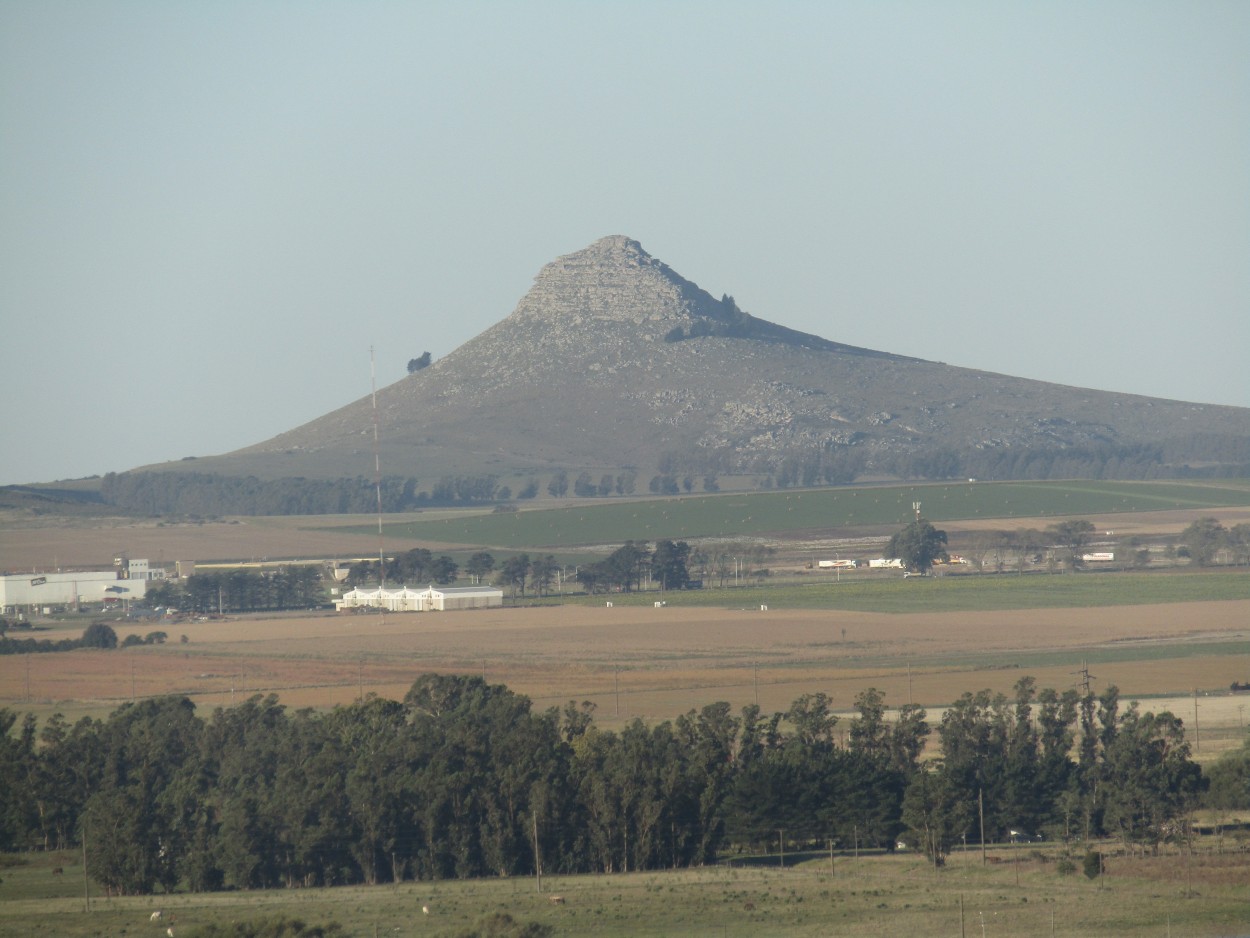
(23, 590)
(434, 599)
(446, 598)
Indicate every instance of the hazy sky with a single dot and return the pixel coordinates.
(210, 211)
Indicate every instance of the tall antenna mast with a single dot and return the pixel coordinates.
(377, 470)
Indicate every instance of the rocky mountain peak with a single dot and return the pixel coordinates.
(615, 280)
(614, 361)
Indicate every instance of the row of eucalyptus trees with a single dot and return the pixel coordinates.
(294, 587)
(463, 779)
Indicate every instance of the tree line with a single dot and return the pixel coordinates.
(297, 586)
(1206, 541)
(205, 494)
(208, 494)
(463, 779)
(96, 635)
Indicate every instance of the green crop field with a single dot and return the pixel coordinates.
(963, 593)
(773, 513)
(1021, 892)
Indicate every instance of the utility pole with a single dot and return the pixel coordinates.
(538, 859)
(377, 475)
(86, 883)
(981, 811)
(1197, 735)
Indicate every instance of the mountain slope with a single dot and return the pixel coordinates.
(613, 360)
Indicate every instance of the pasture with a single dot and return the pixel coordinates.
(778, 513)
(1020, 892)
(1173, 641)
(636, 660)
(800, 523)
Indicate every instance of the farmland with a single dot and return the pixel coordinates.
(1174, 640)
(1019, 893)
(634, 660)
(775, 513)
(798, 522)
(926, 640)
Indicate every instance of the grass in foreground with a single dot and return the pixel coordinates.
(1021, 893)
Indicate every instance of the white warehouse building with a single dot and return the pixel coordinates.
(434, 599)
(41, 590)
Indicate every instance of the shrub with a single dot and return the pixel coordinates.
(279, 927)
(99, 635)
(1092, 864)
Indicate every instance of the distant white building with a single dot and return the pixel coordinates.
(45, 590)
(434, 599)
(446, 598)
(142, 570)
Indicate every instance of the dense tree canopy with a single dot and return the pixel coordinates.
(463, 778)
(1204, 538)
(918, 545)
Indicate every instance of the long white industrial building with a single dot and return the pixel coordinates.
(43, 590)
(434, 599)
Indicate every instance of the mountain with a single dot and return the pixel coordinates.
(613, 361)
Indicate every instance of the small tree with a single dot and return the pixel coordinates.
(1073, 537)
(1092, 864)
(443, 569)
(918, 545)
(558, 486)
(416, 364)
(542, 573)
(935, 813)
(1204, 538)
(668, 564)
(514, 573)
(98, 635)
(479, 565)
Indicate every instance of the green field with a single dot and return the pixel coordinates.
(774, 513)
(1020, 893)
(966, 592)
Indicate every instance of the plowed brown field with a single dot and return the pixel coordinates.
(657, 663)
